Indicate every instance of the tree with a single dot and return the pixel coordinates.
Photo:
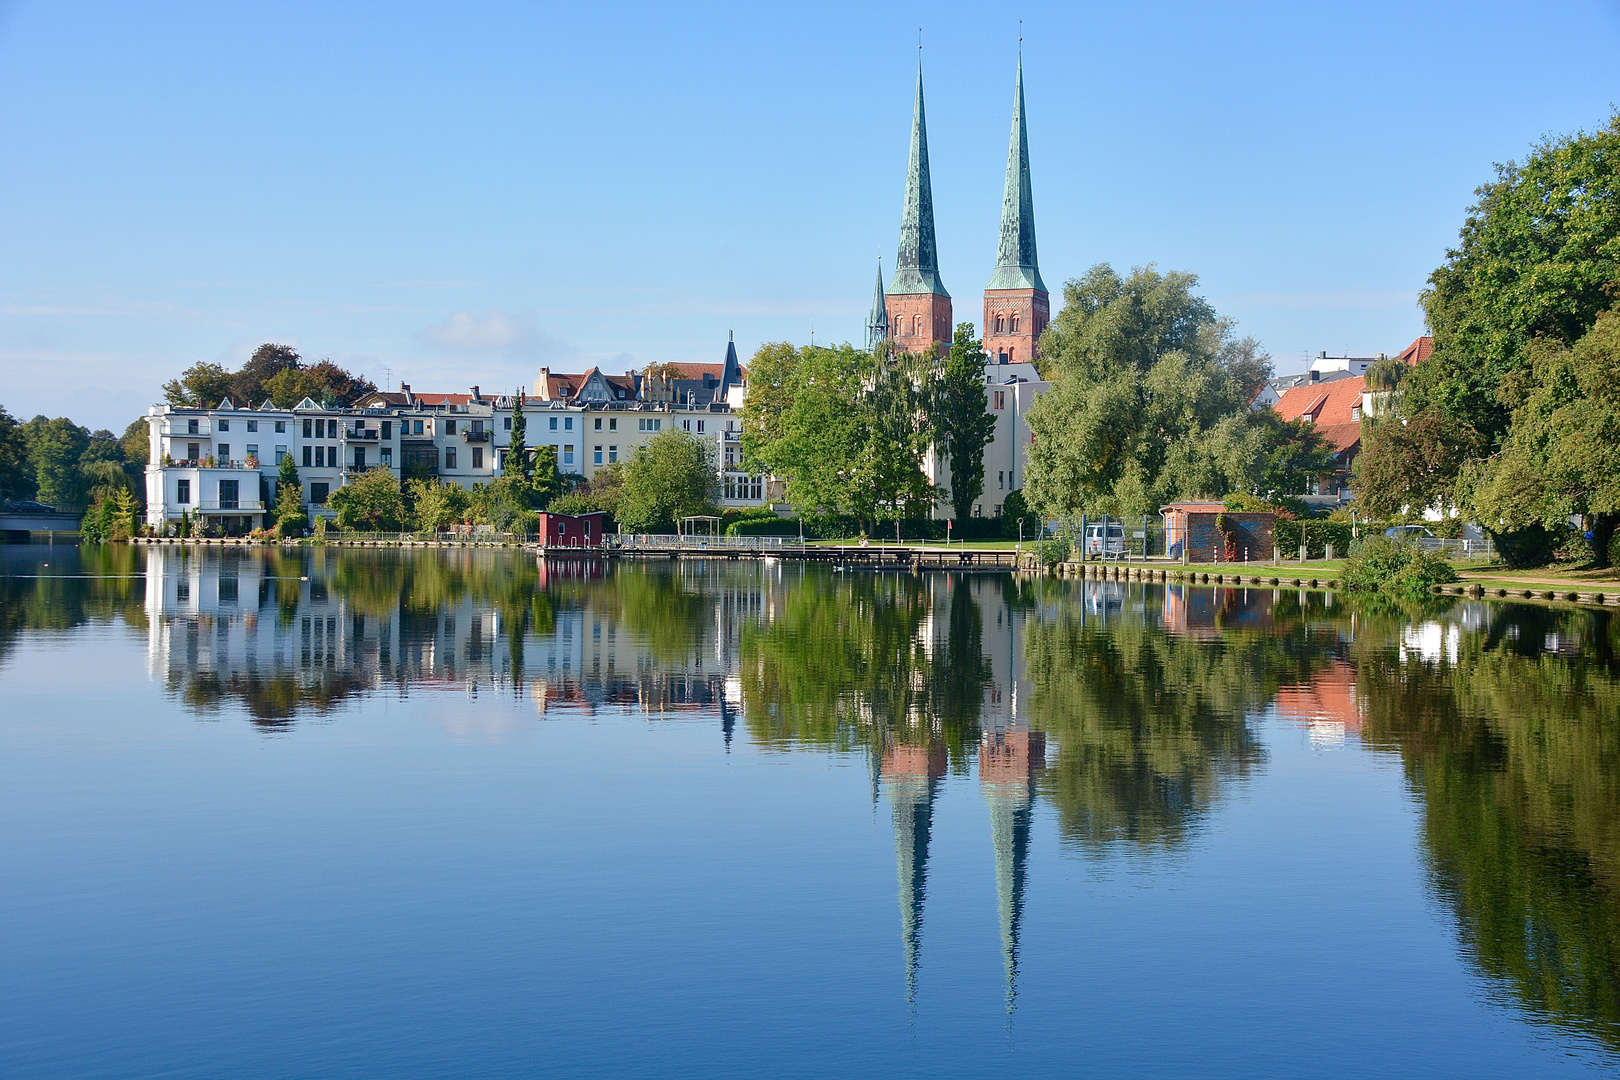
(845, 428)
(16, 479)
(1562, 451)
(1538, 257)
(136, 444)
(1410, 464)
(54, 450)
(339, 386)
(267, 361)
(669, 477)
(544, 479)
(372, 502)
(437, 504)
(518, 452)
(290, 515)
(1150, 401)
(1295, 454)
(962, 424)
(200, 386)
(286, 388)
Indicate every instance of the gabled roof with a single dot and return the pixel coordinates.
(267, 406)
(443, 399)
(386, 398)
(1332, 407)
(1418, 351)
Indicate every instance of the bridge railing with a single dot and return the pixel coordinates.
(672, 542)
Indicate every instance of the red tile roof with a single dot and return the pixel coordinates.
(1418, 351)
(443, 399)
(1332, 407)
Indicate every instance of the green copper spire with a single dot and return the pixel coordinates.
(1016, 265)
(877, 324)
(917, 269)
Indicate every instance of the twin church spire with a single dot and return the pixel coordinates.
(915, 311)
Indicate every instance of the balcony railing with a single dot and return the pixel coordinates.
(475, 436)
(361, 434)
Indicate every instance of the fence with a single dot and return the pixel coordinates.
(672, 542)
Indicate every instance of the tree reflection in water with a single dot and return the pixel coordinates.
(1507, 720)
(1128, 709)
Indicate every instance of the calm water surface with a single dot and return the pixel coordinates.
(456, 814)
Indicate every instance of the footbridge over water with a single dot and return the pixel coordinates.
(17, 524)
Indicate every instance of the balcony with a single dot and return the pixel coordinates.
(360, 434)
(475, 436)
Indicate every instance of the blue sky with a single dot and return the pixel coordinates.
(458, 194)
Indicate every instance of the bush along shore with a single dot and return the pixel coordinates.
(1406, 571)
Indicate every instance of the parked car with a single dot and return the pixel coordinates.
(1404, 533)
(1110, 547)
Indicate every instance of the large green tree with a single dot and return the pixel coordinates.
(1538, 259)
(845, 428)
(201, 386)
(55, 450)
(16, 479)
(1562, 451)
(669, 477)
(373, 501)
(517, 453)
(1150, 399)
(267, 361)
(963, 426)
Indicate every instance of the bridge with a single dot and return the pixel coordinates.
(17, 524)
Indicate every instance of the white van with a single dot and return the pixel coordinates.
(1113, 546)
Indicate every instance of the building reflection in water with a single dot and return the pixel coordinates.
(1123, 712)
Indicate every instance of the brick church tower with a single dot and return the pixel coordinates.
(918, 307)
(1016, 307)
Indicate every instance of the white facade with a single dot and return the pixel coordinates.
(1010, 391)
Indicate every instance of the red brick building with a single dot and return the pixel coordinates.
(570, 530)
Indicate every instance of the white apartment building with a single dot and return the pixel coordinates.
(1010, 391)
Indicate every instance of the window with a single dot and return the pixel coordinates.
(388, 456)
(916, 325)
(999, 399)
(192, 451)
(1001, 323)
(182, 492)
(307, 425)
(478, 427)
(700, 427)
(318, 494)
(478, 457)
(449, 457)
(191, 427)
(224, 452)
(449, 427)
(598, 423)
(332, 456)
(568, 453)
(416, 427)
(387, 429)
(508, 423)
(596, 453)
(898, 324)
(359, 459)
(1010, 355)
(320, 457)
(568, 423)
(1001, 478)
(228, 494)
(613, 454)
(253, 425)
(686, 425)
(308, 455)
(554, 423)
(281, 427)
(613, 424)
(281, 452)
(998, 509)
(224, 424)
(978, 511)
(1015, 324)
(253, 449)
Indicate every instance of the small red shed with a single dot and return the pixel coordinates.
(570, 530)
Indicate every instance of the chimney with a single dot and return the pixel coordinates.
(475, 396)
(1315, 375)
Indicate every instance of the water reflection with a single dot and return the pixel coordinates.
(1122, 715)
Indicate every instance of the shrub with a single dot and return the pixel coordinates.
(764, 526)
(1051, 552)
(1382, 565)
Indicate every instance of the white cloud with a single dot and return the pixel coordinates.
(493, 331)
